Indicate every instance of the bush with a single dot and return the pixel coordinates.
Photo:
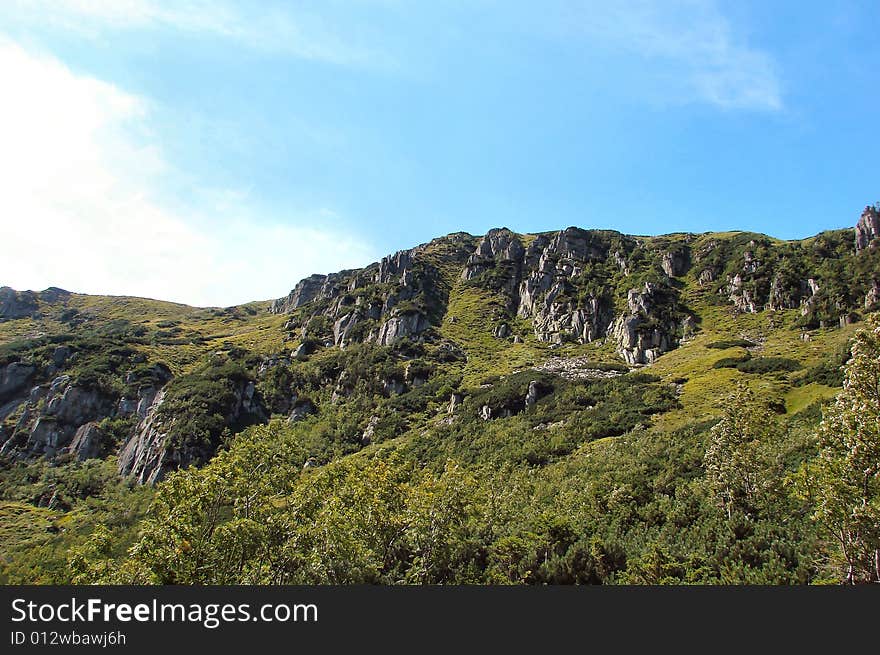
(762, 365)
(724, 344)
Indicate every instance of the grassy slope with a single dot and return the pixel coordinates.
(470, 321)
(200, 331)
(192, 332)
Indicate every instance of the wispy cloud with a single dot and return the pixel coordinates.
(689, 44)
(257, 26)
(85, 210)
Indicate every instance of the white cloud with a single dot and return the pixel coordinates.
(689, 44)
(257, 26)
(83, 207)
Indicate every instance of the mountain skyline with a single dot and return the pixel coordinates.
(211, 152)
(860, 227)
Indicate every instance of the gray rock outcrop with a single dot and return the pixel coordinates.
(88, 442)
(16, 304)
(144, 455)
(642, 335)
(675, 263)
(531, 394)
(868, 228)
(150, 453)
(402, 326)
(14, 377)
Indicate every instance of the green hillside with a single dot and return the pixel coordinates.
(571, 407)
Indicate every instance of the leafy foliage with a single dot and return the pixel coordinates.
(844, 481)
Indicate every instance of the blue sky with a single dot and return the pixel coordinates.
(216, 152)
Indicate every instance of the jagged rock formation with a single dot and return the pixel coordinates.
(83, 398)
(304, 292)
(564, 283)
(52, 416)
(62, 416)
(88, 442)
(823, 277)
(13, 378)
(24, 304)
(400, 297)
(144, 455)
(154, 449)
(868, 228)
(16, 304)
(649, 329)
(676, 263)
(531, 394)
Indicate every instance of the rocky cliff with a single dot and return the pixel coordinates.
(85, 383)
(868, 228)
(25, 304)
(569, 285)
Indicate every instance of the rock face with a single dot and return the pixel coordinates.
(742, 298)
(88, 442)
(868, 228)
(23, 304)
(531, 394)
(499, 246)
(559, 282)
(151, 451)
(304, 292)
(642, 335)
(370, 431)
(676, 263)
(872, 298)
(400, 297)
(61, 415)
(144, 455)
(573, 285)
(13, 378)
(53, 416)
(454, 402)
(16, 304)
(402, 326)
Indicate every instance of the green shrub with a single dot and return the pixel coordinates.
(724, 344)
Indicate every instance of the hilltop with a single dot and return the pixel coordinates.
(501, 352)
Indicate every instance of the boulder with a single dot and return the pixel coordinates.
(370, 431)
(501, 331)
(531, 394)
(454, 401)
(301, 352)
(302, 408)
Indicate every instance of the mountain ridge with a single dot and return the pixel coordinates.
(617, 300)
(534, 354)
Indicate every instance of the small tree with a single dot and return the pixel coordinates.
(738, 458)
(845, 478)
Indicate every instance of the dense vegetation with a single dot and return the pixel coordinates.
(749, 454)
(701, 504)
